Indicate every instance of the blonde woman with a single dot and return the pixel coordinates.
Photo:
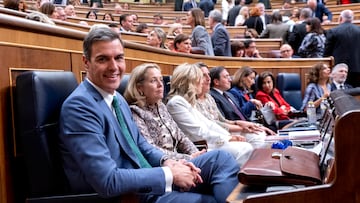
(186, 83)
(175, 29)
(156, 38)
(242, 17)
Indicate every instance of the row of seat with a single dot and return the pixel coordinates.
(37, 126)
(289, 85)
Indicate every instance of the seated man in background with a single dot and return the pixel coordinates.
(338, 77)
(103, 150)
(126, 22)
(225, 101)
(286, 51)
(159, 20)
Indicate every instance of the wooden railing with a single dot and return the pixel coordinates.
(27, 44)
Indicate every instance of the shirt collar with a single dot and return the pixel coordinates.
(107, 97)
(220, 91)
(338, 84)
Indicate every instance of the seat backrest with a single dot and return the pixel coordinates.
(166, 81)
(38, 99)
(123, 84)
(289, 85)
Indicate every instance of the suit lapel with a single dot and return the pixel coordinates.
(119, 137)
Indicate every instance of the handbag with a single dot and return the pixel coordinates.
(268, 114)
(292, 166)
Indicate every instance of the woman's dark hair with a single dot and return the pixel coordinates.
(47, 8)
(91, 11)
(236, 46)
(315, 25)
(180, 38)
(111, 16)
(241, 73)
(261, 78)
(248, 42)
(141, 27)
(11, 4)
(314, 73)
(276, 17)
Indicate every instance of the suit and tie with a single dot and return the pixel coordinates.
(296, 36)
(97, 156)
(225, 107)
(220, 39)
(320, 11)
(340, 86)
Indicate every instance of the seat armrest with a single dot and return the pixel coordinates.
(201, 144)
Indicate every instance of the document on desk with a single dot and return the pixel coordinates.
(296, 135)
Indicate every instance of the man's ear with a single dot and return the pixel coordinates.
(216, 82)
(86, 62)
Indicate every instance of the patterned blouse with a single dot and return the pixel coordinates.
(158, 127)
(210, 110)
(312, 46)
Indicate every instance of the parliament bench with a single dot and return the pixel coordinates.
(30, 45)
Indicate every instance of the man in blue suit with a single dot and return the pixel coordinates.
(220, 37)
(319, 11)
(99, 155)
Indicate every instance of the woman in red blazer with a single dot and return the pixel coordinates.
(269, 95)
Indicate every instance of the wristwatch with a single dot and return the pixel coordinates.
(163, 159)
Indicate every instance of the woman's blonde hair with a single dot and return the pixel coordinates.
(138, 75)
(184, 81)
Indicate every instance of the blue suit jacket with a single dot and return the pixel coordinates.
(224, 105)
(220, 39)
(246, 106)
(95, 153)
(321, 10)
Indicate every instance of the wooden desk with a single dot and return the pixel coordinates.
(345, 186)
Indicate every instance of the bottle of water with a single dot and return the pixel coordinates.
(311, 113)
(323, 106)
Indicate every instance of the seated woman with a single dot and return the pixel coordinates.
(186, 83)
(142, 28)
(318, 87)
(237, 48)
(144, 94)
(91, 15)
(108, 17)
(156, 38)
(269, 95)
(205, 104)
(244, 79)
(182, 43)
(175, 29)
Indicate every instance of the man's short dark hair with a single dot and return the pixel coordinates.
(123, 17)
(247, 43)
(97, 35)
(215, 74)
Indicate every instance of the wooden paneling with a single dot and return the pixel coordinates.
(26, 44)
